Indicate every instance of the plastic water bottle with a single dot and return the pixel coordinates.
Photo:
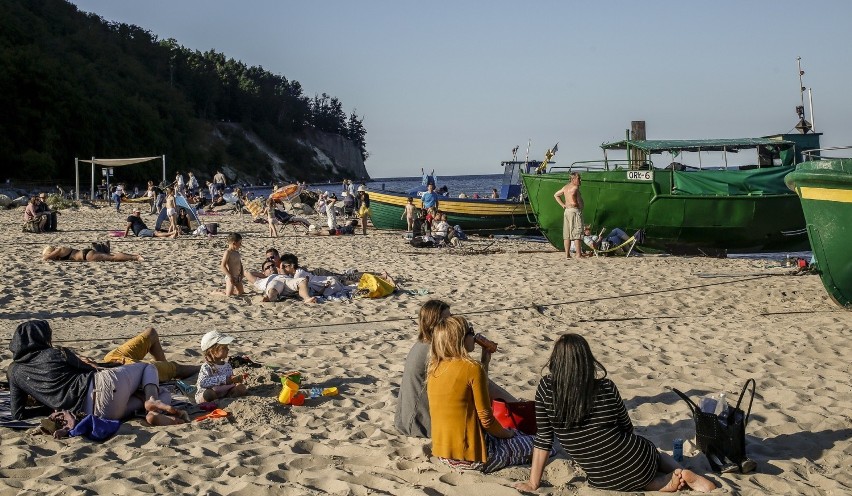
(721, 410)
(677, 450)
(316, 392)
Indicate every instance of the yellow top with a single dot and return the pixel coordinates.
(460, 409)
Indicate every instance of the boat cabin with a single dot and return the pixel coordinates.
(512, 169)
(775, 150)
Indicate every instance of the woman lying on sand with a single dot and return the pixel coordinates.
(62, 253)
(60, 380)
(586, 414)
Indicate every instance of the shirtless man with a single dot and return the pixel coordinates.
(572, 219)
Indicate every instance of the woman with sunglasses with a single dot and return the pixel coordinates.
(412, 416)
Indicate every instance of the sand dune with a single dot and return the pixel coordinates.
(701, 325)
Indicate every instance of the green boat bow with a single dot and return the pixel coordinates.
(825, 188)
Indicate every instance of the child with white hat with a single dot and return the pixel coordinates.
(216, 378)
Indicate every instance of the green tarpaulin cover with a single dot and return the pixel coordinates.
(752, 182)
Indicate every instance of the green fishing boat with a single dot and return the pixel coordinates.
(710, 207)
(824, 185)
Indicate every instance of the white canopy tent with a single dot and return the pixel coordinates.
(109, 162)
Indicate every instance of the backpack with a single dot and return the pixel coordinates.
(421, 242)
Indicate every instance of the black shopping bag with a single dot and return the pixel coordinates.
(720, 438)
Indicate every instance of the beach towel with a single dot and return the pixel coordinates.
(95, 428)
(373, 286)
(6, 418)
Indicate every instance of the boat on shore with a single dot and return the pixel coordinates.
(709, 208)
(824, 185)
(508, 214)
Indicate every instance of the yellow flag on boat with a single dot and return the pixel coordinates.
(547, 156)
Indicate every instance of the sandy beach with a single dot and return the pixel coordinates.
(698, 324)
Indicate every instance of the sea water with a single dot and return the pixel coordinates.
(480, 184)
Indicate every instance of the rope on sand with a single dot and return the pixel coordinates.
(538, 307)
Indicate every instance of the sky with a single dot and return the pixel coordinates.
(454, 86)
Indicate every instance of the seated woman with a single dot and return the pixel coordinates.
(32, 214)
(60, 380)
(183, 222)
(412, 409)
(465, 434)
(578, 405)
(63, 253)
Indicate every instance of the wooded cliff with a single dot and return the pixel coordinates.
(75, 85)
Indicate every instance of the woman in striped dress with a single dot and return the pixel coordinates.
(586, 414)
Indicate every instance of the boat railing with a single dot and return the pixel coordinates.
(820, 153)
(599, 165)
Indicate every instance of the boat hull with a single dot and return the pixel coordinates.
(483, 216)
(825, 189)
(672, 222)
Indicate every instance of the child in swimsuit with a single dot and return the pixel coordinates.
(232, 266)
(216, 378)
(171, 211)
(409, 213)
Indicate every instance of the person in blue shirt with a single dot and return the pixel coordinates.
(430, 199)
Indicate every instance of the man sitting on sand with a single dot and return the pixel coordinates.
(148, 342)
(273, 285)
(135, 223)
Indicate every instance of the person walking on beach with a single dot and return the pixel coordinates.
(572, 219)
(192, 184)
(117, 195)
(364, 208)
(180, 185)
(408, 214)
(219, 181)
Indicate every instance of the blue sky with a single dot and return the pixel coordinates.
(455, 86)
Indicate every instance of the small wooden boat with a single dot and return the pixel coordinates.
(509, 214)
(824, 185)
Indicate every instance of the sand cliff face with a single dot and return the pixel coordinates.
(333, 155)
(337, 152)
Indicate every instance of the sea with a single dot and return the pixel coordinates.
(480, 184)
(468, 184)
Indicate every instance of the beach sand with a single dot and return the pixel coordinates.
(700, 325)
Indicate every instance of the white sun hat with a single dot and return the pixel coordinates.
(214, 337)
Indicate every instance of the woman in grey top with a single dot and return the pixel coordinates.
(412, 409)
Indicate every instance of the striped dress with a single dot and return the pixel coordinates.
(603, 443)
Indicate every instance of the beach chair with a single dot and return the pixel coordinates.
(299, 224)
(630, 243)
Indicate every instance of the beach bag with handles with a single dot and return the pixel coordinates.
(720, 438)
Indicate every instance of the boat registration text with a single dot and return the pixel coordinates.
(640, 175)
